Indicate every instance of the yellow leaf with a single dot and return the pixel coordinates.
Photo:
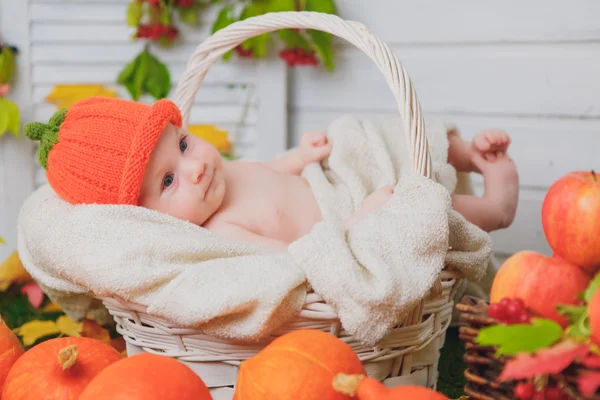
(1, 240)
(34, 330)
(67, 326)
(65, 95)
(213, 135)
(12, 271)
(51, 307)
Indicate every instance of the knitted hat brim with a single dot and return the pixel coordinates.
(162, 112)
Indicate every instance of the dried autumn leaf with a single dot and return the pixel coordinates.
(118, 344)
(91, 329)
(12, 271)
(545, 361)
(34, 330)
(591, 361)
(588, 383)
(66, 94)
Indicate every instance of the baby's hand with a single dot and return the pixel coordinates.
(314, 146)
(374, 201)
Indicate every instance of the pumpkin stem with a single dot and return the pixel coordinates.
(347, 384)
(594, 176)
(67, 357)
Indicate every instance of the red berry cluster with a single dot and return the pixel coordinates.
(155, 31)
(184, 3)
(294, 57)
(509, 311)
(526, 391)
(155, 3)
(244, 53)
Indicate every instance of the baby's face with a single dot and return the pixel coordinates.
(184, 177)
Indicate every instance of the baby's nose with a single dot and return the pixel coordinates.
(196, 170)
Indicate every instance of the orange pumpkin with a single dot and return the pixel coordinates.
(10, 351)
(57, 369)
(365, 388)
(148, 377)
(297, 365)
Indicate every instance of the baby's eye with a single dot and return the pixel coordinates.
(168, 181)
(183, 144)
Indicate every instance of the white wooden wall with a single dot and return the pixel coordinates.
(529, 67)
(87, 41)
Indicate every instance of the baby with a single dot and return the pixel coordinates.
(112, 151)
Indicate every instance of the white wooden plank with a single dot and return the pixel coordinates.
(272, 120)
(208, 94)
(529, 80)
(543, 149)
(78, 12)
(437, 21)
(430, 21)
(99, 11)
(16, 170)
(91, 52)
(50, 74)
(203, 114)
(78, 1)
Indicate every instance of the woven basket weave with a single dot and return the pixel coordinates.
(484, 367)
(410, 353)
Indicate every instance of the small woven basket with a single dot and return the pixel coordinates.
(484, 367)
(409, 354)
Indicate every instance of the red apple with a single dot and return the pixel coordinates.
(594, 316)
(541, 282)
(571, 219)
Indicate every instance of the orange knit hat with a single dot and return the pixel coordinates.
(97, 150)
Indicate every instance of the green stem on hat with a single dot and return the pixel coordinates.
(47, 134)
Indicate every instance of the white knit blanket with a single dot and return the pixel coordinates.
(373, 274)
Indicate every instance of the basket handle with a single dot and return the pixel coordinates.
(226, 39)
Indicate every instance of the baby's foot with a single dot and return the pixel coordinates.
(491, 144)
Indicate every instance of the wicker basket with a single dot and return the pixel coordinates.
(484, 367)
(410, 353)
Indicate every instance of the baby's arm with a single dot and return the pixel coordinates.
(314, 147)
(290, 163)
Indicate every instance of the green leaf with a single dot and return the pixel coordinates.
(323, 45)
(281, 5)
(224, 19)
(323, 6)
(1, 240)
(134, 13)
(579, 327)
(591, 289)
(189, 15)
(158, 82)
(573, 313)
(520, 338)
(258, 44)
(293, 39)
(126, 74)
(9, 117)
